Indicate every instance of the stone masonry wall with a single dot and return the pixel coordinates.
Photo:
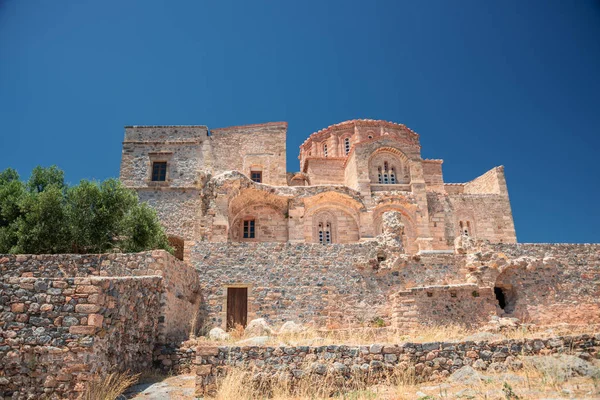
(467, 305)
(426, 360)
(543, 283)
(258, 147)
(177, 209)
(347, 285)
(65, 318)
(55, 334)
(326, 285)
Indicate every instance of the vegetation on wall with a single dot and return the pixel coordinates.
(46, 216)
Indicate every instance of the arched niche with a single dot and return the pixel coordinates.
(388, 165)
(258, 216)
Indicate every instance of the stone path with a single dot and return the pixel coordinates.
(180, 387)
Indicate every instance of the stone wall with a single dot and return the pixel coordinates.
(350, 284)
(58, 333)
(65, 318)
(542, 283)
(183, 148)
(467, 305)
(259, 147)
(177, 209)
(426, 360)
(333, 285)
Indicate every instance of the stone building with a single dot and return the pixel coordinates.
(232, 185)
(367, 229)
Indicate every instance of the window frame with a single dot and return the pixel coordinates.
(159, 172)
(249, 229)
(260, 176)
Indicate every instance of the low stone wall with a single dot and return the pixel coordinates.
(182, 286)
(56, 334)
(66, 318)
(467, 305)
(176, 358)
(427, 361)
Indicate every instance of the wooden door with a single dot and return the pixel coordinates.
(237, 307)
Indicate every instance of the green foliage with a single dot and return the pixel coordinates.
(44, 215)
(142, 230)
(43, 227)
(509, 393)
(41, 178)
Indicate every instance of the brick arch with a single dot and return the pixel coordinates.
(410, 226)
(270, 223)
(269, 212)
(344, 223)
(396, 161)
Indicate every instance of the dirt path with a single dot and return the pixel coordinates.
(180, 387)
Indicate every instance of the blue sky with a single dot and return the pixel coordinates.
(485, 83)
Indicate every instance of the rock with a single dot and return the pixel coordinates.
(479, 365)
(563, 366)
(340, 368)
(258, 327)
(318, 368)
(466, 376)
(218, 334)
(254, 341)
(290, 327)
(375, 348)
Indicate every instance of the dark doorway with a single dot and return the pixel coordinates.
(500, 297)
(237, 307)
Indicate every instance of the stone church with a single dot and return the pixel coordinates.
(232, 185)
(366, 229)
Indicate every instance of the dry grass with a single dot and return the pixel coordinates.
(358, 336)
(110, 387)
(528, 383)
(243, 384)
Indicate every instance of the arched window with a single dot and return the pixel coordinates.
(325, 150)
(347, 146)
(325, 233)
(387, 172)
(465, 228)
(324, 227)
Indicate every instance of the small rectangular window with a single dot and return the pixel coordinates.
(256, 176)
(159, 171)
(249, 232)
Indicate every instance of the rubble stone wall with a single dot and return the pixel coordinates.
(466, 304)
(543, 283)
(427, 360)
(327, 285)
(177, 209)
(58, 333)
(65, 318)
